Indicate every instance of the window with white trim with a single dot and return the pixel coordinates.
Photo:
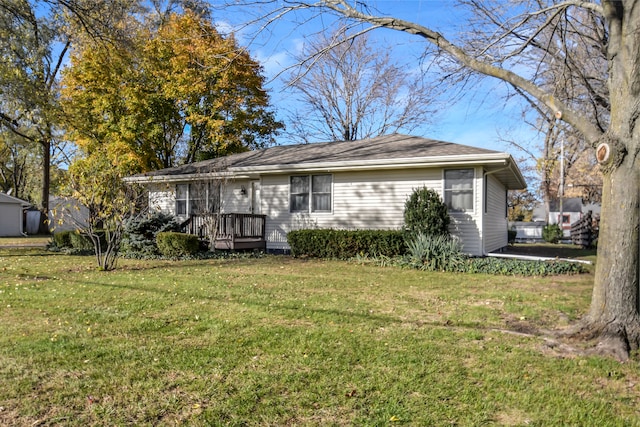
(458, 189)
(310, 193)
(182, 199)
(197, 198)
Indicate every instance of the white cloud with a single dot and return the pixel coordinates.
(223, 27)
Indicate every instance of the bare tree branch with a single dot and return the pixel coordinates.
(591, 132)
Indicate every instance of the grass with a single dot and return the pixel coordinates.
(31, 240)
(278, 341)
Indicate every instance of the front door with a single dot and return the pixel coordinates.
(255, 197)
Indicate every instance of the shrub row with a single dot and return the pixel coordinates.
(345, 244)
(496, 266)
(443, 253)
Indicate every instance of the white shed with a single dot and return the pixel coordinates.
(11, 215)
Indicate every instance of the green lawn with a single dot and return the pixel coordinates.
(277, 341)
(39, 240)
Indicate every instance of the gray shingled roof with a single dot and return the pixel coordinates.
(387, 147)
(572, 204)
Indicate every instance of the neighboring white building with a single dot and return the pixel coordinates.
(349, 185)
(573, 209)
(12, 215)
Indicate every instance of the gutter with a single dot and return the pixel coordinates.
(145, 179)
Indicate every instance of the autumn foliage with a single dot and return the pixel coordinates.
(176, 93)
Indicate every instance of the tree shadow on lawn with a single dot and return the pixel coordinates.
(549, 250)
(247, 302)
(551, 341)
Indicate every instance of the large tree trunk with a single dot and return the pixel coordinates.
(614, 312)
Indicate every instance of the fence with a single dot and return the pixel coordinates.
(584, 231)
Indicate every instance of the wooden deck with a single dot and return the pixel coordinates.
(235, 230)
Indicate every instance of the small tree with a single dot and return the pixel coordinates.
(426, 213)
(97, 184)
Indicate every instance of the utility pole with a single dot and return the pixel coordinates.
(561, 189)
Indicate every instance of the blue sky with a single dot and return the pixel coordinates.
(479, 119)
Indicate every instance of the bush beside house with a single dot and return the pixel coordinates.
(345, 244)
(172, 244)
(140, 234)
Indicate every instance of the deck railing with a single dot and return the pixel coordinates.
(232, 229)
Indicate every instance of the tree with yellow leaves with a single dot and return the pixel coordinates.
(177, 93)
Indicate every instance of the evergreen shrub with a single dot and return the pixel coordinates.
(345, 244)
(81, 242)
(552, 233)
(426, 213)
(140, 234)
(172, 244)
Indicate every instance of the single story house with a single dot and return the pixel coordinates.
(346, 185)
(12, 215)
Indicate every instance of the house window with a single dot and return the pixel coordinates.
(299, 190)
(182, 198)
(321, 193)
(314, 188)
(458, 189)
(197, 198)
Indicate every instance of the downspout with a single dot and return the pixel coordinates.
(485, 183)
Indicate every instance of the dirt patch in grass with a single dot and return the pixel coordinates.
(512, 417)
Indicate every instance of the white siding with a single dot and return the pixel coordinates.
(233, 201)
(495, 218)
(162, 197)
(363, 200)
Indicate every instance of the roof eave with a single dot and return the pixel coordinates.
(401, 163)
(148, 179)
(253, 172)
